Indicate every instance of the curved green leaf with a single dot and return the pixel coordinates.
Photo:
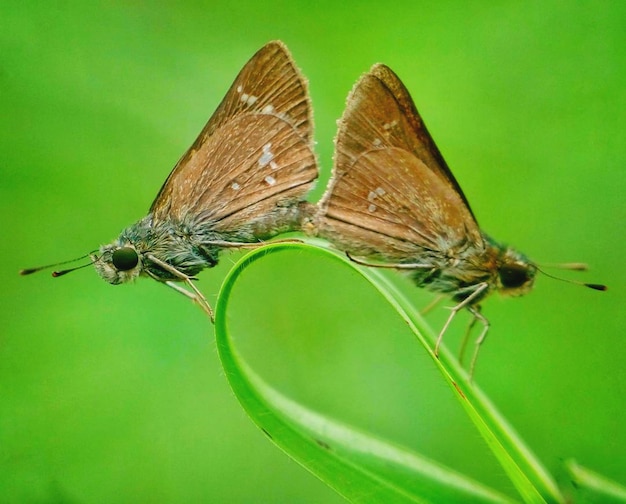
(359, 466)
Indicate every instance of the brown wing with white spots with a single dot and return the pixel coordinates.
(254, 155)
(391, 194)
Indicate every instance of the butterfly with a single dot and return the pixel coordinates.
(244, 180)
(392, 198)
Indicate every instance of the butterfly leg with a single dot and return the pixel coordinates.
(478, 316)
(409, 266)
(246, 245)
(432, 304)
(478, 290)
(467, 334)
(196, 295)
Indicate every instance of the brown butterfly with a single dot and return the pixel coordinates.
(393, 198)
(242, 181)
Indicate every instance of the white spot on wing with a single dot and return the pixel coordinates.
(267, 156)
(235, 186)
(371, 208)
(268, 109)
(269, 180)
(273, 165)
(246, 98)
(390, 125)
(379, 191)
(377, 142)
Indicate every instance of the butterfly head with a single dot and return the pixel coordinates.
(516, 274)
(118, 263)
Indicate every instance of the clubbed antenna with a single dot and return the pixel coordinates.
(30, 271)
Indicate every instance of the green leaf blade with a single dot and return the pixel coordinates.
(359, 466)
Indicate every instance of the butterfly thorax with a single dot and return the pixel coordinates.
(461, 272)
(184, 246)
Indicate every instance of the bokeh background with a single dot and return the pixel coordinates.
(116, 394)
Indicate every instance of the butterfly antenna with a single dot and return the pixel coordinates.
(69, 270)
(574, 267)
(30, 271)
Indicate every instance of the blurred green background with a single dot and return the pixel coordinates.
(116, 394)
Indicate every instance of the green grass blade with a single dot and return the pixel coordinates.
(599, 487)
(361, 467)
(531, 479)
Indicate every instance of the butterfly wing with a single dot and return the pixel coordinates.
(253, 161)
(391, 194)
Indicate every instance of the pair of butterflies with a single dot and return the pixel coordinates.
(391, 197)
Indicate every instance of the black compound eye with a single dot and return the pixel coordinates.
(125, 258)
(514, 276)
